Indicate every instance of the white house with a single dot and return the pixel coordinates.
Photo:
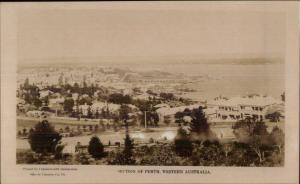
(45, 93)
(238, 108)
(98, 106)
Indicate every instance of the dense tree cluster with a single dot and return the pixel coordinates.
(43, 138)
(119, 98)
(255, 135)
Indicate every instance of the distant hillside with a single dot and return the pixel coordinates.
(157, 61)
(233, 61)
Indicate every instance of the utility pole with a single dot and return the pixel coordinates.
(145, 119)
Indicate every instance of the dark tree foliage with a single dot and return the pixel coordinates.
(255, 135)
(128, 147)
(54, 89)
(151, 117)
(199, 128)
(183, 144)
(119, 98)
(26, 83)
(68, 105)
(126, 157)
(155, 118)
(87, 100)
(167, 96)
(97, 114)
(76, 88)
(145, 105)
(96, 148)
(32, 95)
(208, 154)
(199, 123)
(274, 117)
(124, 113)
(283, 96)
(89, 113)
(180, 115)
(43, 138)
(277, 138)
(159, 155)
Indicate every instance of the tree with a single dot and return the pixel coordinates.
(76, 88)
(24, 131)
(183, 144)
(179, 116)
(144, 105)
(167, 96)
(37, 102)
(277, 138)
(124, 113)
(274, 117)
(126, 156)
(89, 113)
(254, 134)
(97, 114)
(60, 80)
(208, 154)
(68, 105)
(86, 100)
(155, 118)
(119, 98)
(96, 148)
(128, 150)
(43, 138)
(96, 128)
(199, 127)
(283, 96)
(26, 83)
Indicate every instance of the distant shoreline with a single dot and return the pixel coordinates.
(104, 62)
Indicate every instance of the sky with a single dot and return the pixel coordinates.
(166, 32)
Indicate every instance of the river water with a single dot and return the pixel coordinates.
(228, 79)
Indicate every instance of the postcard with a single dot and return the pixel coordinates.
(150, 92)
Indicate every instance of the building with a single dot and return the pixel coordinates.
(166, 112)
(238, 108)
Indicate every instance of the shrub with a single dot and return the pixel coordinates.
(160, 155)
(208, 154)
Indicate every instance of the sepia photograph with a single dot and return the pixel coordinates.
(162, 88)
(203, 84)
